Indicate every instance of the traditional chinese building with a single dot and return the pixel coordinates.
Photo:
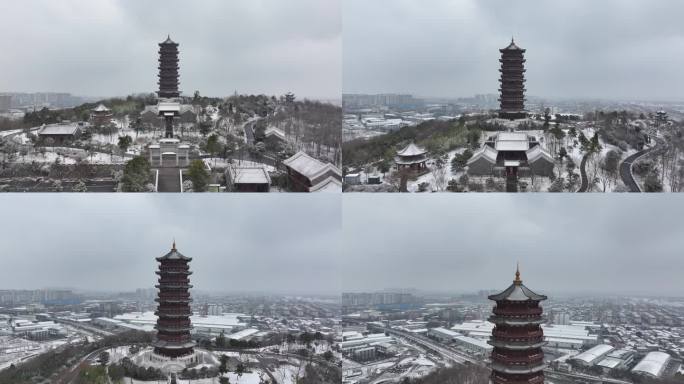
(173, 313)
(307, 174)
(411, 157)
(512, 100)
(517, 337)
(511, 154)
(169, 106)
(168, 69)
(101, 115)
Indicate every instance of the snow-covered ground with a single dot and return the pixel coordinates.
(66, 155)
(218, 163)
(413, 185)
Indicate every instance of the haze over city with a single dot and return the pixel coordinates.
(575, 49)
(238, 245)
(621, 245)
(109, 48)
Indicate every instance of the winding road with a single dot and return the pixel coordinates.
(583, 172)
(626, 169)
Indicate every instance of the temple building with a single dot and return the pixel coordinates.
(511, 154)
(101, 115)
(411, 157)
(512, 82)
(307, 174)
(517, 337)
(169, 105)
(173, 322)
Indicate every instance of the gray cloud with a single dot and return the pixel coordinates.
(239, 243)
(604, 49)
(109, 47)
(567, 244)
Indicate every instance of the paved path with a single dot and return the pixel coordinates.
(583, 173)
(169, 180)
(626, 170)
(512, 184)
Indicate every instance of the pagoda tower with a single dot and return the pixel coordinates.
(168, 69)
(168, 83)
(512, 100)
(517, 337)
(173, 322)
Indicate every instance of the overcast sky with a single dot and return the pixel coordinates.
(109, 47)
(246, 243)
(565, 244)
(575, 48)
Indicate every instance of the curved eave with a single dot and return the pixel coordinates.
(515, 346)
(514, 322)
(516, 370)
(172, 315)
(173, 301)
(173, 329)
(171, 345)
(517, 293)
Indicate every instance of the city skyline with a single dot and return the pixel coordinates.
(104, 244)
(109, 48)
(476, 244)
(618, 50)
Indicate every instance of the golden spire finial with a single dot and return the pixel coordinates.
(517, 274)
(174, 244)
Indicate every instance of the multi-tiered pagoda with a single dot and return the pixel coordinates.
(169, 107)
(512, 82)
(168, 69)
(517, 337)
(173, 322)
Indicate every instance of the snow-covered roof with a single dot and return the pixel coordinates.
(473, 341)
(485, 152)
(273, 131)
(329, 184)
(59, 129)
(242, 334)
(535, 153)
(226, 320)
(181, 108)
(101, 108)
(517, 292)
(512, 47)
(303, 164)
(168, 107)
(652, 364)
(609, 362)
(309, 167)
(249, 175)
(512, 141)
(591, 355)
(444, 331)
(173, 254)
(412, 150)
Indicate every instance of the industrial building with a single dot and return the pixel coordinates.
(574, 336)
(653, 364)
(593, 355)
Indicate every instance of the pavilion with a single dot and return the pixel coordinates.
(411, 157)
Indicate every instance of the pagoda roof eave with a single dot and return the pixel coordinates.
(517, 292)
(174, 255)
